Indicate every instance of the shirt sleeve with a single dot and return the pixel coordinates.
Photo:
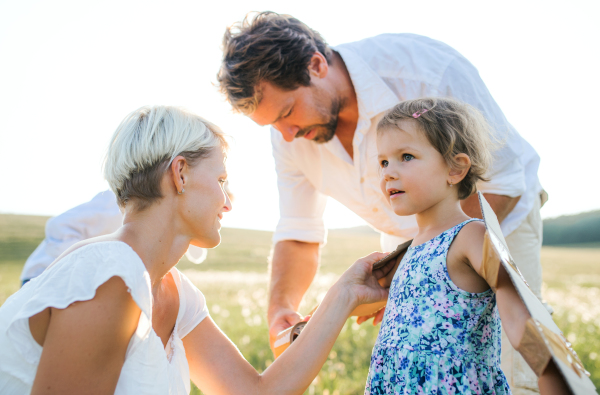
(195, 306)
(98, 217)
(507, 172)
(301, 206)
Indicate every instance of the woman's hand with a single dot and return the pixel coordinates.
(361, 282)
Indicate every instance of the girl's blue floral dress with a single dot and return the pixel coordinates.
(436, 338)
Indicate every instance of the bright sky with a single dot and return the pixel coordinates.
(71, 70)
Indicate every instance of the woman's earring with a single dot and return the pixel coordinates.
(182, 191)
(450, 184)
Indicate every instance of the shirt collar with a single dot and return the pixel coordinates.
(373, 95)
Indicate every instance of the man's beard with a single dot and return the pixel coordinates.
(325, 131)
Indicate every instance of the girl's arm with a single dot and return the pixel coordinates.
(513, 312)
(84, 345)
(217, 366)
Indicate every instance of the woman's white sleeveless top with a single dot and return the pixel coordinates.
(149, 368)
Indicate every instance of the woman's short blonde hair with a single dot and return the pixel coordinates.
(451, 127)
(145, 144)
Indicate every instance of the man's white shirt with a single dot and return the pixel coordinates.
(385, 70)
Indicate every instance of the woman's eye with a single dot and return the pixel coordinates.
(407, 157)
(222, 181)
(384, 163)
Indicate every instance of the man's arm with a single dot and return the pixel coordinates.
(502, 205)
(293, 268)
(297, 237)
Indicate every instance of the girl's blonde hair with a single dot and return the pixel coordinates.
(145, 144)
(452, 128)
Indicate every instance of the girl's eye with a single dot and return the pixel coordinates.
(384, 163)
(222, 181)
(407, 157)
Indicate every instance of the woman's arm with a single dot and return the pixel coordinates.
(218, 368)
(84, 346)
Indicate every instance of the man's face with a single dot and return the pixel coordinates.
(308, 112)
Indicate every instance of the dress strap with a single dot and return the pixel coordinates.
(457, 228)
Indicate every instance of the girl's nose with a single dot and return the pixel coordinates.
(389, 174)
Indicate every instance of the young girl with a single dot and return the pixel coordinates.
(441, 329)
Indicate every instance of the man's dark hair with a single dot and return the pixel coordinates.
(269, 47)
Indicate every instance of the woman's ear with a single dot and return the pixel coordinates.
(459, 172)
(179, 173)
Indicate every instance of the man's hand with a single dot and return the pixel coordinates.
(293, 268)
(280, 321)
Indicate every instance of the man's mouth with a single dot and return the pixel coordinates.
(310, 134)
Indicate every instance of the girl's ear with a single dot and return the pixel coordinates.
(179, 169)
(457, 173)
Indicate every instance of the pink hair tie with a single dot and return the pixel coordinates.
(419, 113)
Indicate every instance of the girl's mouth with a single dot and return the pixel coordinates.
(395, 193)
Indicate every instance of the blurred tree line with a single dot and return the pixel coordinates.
(573, 229)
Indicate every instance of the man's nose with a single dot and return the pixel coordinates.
(288, 132)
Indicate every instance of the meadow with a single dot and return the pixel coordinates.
(234, 280)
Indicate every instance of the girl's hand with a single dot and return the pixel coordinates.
(362, 282)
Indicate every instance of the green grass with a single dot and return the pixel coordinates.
(234, 281)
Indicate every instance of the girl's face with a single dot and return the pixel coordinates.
(414, 175)
(205, 200)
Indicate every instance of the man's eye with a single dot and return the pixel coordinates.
(289, 113)
(407, 157)
(384, 163)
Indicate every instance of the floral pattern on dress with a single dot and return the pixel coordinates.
(436, 338)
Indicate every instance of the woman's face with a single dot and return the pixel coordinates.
(205, 200)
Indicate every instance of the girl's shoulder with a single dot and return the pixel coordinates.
(470, 234)
(474, 229)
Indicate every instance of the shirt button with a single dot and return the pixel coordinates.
(375, 209)
(362, 179)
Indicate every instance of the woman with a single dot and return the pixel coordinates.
(114, 315)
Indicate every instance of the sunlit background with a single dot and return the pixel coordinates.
(71, 70)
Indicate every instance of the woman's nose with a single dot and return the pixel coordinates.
(228, 206)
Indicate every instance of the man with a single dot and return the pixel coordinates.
(323, 105)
